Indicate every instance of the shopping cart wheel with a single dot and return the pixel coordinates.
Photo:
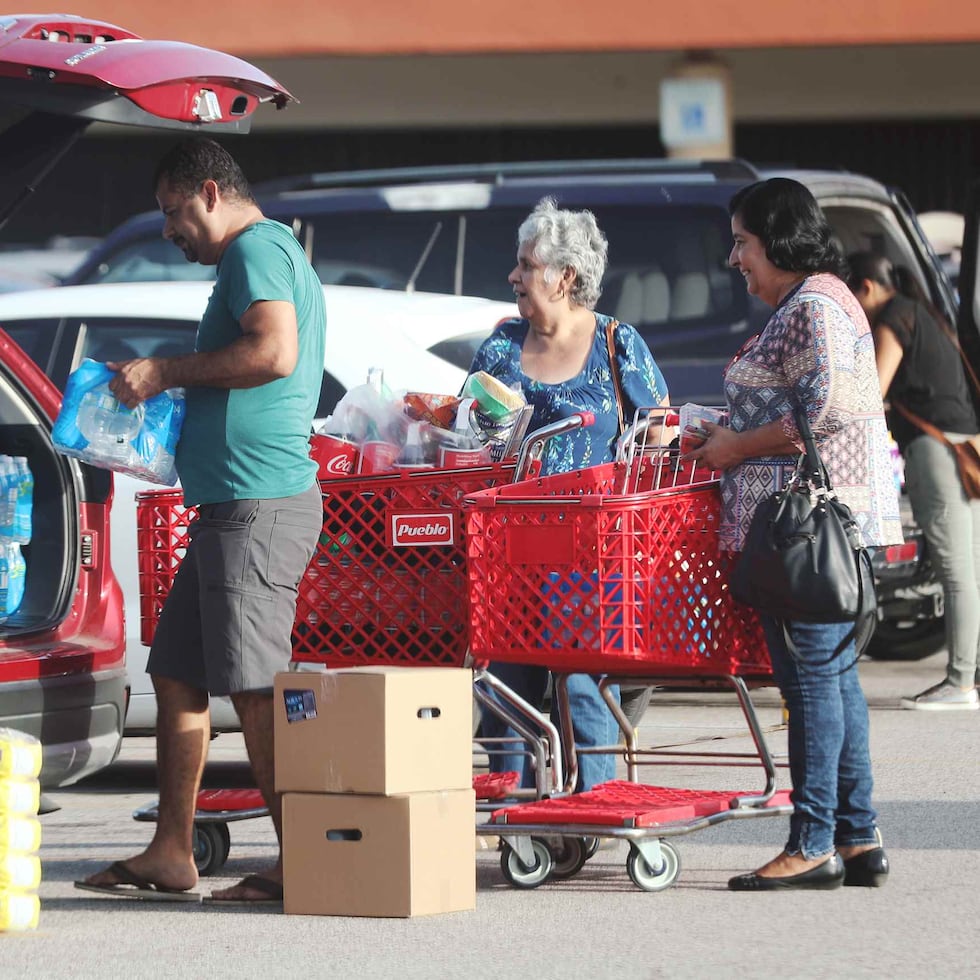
(212, 842)
(521, 876)
(568, 855)
(591, 846)
(650, 879)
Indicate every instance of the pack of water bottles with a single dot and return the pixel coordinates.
(96, 427)
(16, 519)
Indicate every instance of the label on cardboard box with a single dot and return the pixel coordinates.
(299, 705)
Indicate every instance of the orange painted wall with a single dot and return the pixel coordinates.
(344, 27)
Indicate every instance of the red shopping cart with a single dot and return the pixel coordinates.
(386, 585)
(615, 570)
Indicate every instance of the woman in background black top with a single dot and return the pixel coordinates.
(920, 368)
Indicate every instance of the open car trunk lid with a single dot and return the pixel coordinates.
(60, 73)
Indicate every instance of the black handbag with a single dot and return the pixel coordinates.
(803, 557)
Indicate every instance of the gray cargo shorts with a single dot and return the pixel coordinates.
(227, 623)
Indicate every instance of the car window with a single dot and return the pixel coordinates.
(149, 260)
(37, 338)
(123, 339)
(870, 226)
(668, 267)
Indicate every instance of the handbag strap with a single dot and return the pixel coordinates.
(955, 341)
(925, 426)
(614, 372)
(815, 470)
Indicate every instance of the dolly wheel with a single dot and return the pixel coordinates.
(650, 879)
(521, 876)
(568, 855)
(212, 842)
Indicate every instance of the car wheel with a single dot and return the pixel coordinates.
(908, 640)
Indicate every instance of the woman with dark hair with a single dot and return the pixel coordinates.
(815, 353)
(921, 372)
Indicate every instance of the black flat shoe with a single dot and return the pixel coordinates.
(869, 869)
(829, 874)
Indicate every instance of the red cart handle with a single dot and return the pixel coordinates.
(529, 460)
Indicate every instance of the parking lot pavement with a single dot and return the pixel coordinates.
(597, 924)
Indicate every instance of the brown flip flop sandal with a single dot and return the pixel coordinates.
(132, 885)
(271, 892)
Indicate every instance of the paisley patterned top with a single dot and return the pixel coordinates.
(591, 391)
(816, 351)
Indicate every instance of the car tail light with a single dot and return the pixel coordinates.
(897, 553)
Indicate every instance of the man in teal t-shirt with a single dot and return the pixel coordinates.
(252, 386)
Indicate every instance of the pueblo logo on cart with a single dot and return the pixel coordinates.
(414, 530)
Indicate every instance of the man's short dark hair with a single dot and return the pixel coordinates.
(191, 162)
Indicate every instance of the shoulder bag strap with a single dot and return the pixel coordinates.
(614, 372)
(925, 426)
(955, 341)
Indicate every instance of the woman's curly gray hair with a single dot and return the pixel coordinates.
(562, 239)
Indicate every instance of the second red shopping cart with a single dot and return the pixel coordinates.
(615, 570)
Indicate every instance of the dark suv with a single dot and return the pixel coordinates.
(453, 229)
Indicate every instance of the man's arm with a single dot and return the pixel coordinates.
(268, 350)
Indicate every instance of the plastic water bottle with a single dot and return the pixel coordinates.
(19, 912)
(19, 796)
(24, 508)
(108, 426)
(20, 755)
(8, 497)
(16, 578)
(19, 833)
(19, 872)
(4, 577)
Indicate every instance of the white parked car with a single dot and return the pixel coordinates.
(366, 327)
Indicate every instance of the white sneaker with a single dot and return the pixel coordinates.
(944, 697)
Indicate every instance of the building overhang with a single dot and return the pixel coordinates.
(392, 27)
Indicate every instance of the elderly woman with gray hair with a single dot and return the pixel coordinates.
(558, 353)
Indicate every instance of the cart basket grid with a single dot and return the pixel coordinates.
(567, 573)
(387, 583)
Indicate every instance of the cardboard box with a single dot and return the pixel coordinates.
(383, 730)
(391, 856)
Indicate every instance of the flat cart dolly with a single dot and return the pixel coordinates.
(387, 585)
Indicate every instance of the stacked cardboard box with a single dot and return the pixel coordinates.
(375, 768)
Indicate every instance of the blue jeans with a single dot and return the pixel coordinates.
(592, 723)
(829, 760)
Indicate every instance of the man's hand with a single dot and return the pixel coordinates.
(137, 380)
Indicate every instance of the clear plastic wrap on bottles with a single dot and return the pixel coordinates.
(95, 427)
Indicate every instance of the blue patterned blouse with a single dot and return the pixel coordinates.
(590, 391)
